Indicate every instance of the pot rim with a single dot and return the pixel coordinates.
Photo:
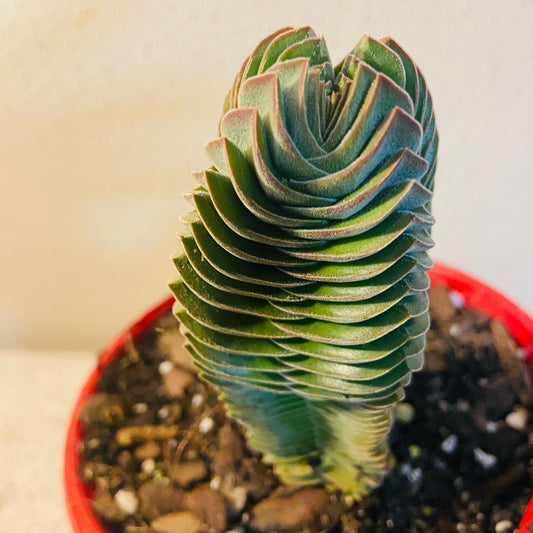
(475, 294)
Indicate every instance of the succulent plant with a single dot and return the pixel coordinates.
(302, 291)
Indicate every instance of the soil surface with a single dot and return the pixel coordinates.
(163, 457)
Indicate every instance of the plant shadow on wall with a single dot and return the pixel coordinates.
(302, 297)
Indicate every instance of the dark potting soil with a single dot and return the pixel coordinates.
(163, 456)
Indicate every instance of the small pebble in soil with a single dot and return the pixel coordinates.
(456, 299)
(288, 510)
(148, 450)
(102, 408)
(449, 444)
(126, 436)
(176, 382)
(209, 505)
(182, 522)
(237, 498)
(215, 483)
(185, 474)
(124, 460)
(517, 419)
(206, 425)
(491, 427)
(503, 526)
(127, 501)
(197, 400)
(414, 475)
(148, 466)
(486, 460)
(139, 408)
(93, 443)
(455, 330)
(165, 367)
(159, 497)
(163, 412)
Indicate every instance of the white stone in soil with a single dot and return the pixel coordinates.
(486, 460)
(517, 419)
(215, 483)
(127, 501)
(503, 526)
(491, 427)
(237, 497)
(165, 367)
(206, 425)
(414, 475)
(140, 408)
(93, 443)
(148, 466)
(455, 329)
(456, 299)
(163, 412)
(197, 400)
(449, 444)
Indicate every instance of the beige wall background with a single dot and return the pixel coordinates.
(105, 107)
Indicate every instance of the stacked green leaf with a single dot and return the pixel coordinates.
(302, 288)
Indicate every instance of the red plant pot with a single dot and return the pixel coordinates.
(475, 293)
